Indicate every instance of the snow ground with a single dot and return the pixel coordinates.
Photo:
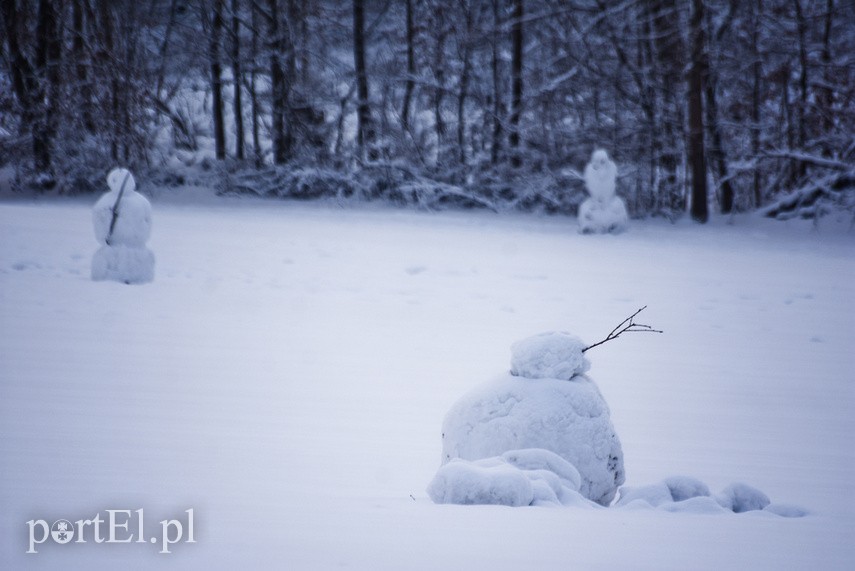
(287, 373)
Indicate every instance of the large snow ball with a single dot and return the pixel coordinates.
(123, 264)
(601, 217)
(552, 355)
(567, 417)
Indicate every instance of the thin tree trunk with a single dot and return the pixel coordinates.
(47, 71)
(716, 151)
(826, 101)
(464, 87)
(411, 69)
(516, 81)
(365, 130)
(439, 89)
(697, 158)
(217, 79)
(756, 70)
(277, 80)
(668, 49)
(801, 108)
(253, 93)
(498, 109)
(84, 86)
(237, 73)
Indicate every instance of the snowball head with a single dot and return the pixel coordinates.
(551, 355)
(599, 158)
(569, 419)
(117, 177)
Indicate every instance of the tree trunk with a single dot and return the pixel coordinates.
(697, 159)
(801, 108)
(668, 49)
(253, 93)
(281, 151)
(48, 52)
(365, 130)
(237, 73)
(464, 87)
(439, 80)
(716, 151)
(498, 107)
(217, 79)
(756, 71)
(84, 86)
(20, 70)
(516, 81)
(411, 69)
(826, 99)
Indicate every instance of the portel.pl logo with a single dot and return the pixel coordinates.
(115, 526)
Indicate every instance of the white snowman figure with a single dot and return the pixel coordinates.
(604, 211)
(122, 222)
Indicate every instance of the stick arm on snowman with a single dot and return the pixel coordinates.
(115, 209)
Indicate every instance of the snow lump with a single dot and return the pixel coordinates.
(546, 404)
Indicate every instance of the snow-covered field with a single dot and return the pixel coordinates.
(286, 375)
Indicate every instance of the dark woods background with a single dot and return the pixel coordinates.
(704, 104)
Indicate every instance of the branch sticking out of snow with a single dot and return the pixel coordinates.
(628, 325)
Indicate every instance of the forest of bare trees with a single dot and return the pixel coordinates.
(706, 105)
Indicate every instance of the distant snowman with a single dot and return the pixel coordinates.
(122, 222)
(604, 211)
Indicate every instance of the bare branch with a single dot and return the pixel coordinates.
(626, 326)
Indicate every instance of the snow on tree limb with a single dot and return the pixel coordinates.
(628, 325)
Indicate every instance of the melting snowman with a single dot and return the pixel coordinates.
(122, 222)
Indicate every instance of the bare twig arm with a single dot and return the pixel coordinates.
(626, 326)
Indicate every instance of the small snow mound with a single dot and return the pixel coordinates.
(741, 498)
(685, 487)
(541, 459)
(684, 494)
(517, 478)
(696, 505)
(786, 510)
(551, 355)
(653, 495)
(461, 482)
